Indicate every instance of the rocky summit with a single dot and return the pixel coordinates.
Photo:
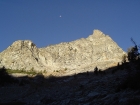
(68, 57)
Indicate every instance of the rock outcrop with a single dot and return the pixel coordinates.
(72, 57)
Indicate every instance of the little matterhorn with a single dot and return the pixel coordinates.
(97, 50)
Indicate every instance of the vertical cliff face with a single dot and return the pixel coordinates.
(83, 54)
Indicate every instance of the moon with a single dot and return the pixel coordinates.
(60, 16)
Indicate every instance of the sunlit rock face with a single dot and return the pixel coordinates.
(77, 56)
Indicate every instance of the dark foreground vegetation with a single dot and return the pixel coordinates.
(5, 78)
(132, 81)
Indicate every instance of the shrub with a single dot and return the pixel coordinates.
(124, 58)
(96, 71)
(65, 69)
(133, 53)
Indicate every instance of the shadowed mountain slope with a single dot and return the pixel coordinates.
(115, 86)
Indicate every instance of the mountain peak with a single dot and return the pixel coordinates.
(98, 33)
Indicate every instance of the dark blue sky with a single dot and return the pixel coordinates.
(40, 21)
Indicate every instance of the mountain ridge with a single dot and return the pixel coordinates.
(76, 56)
